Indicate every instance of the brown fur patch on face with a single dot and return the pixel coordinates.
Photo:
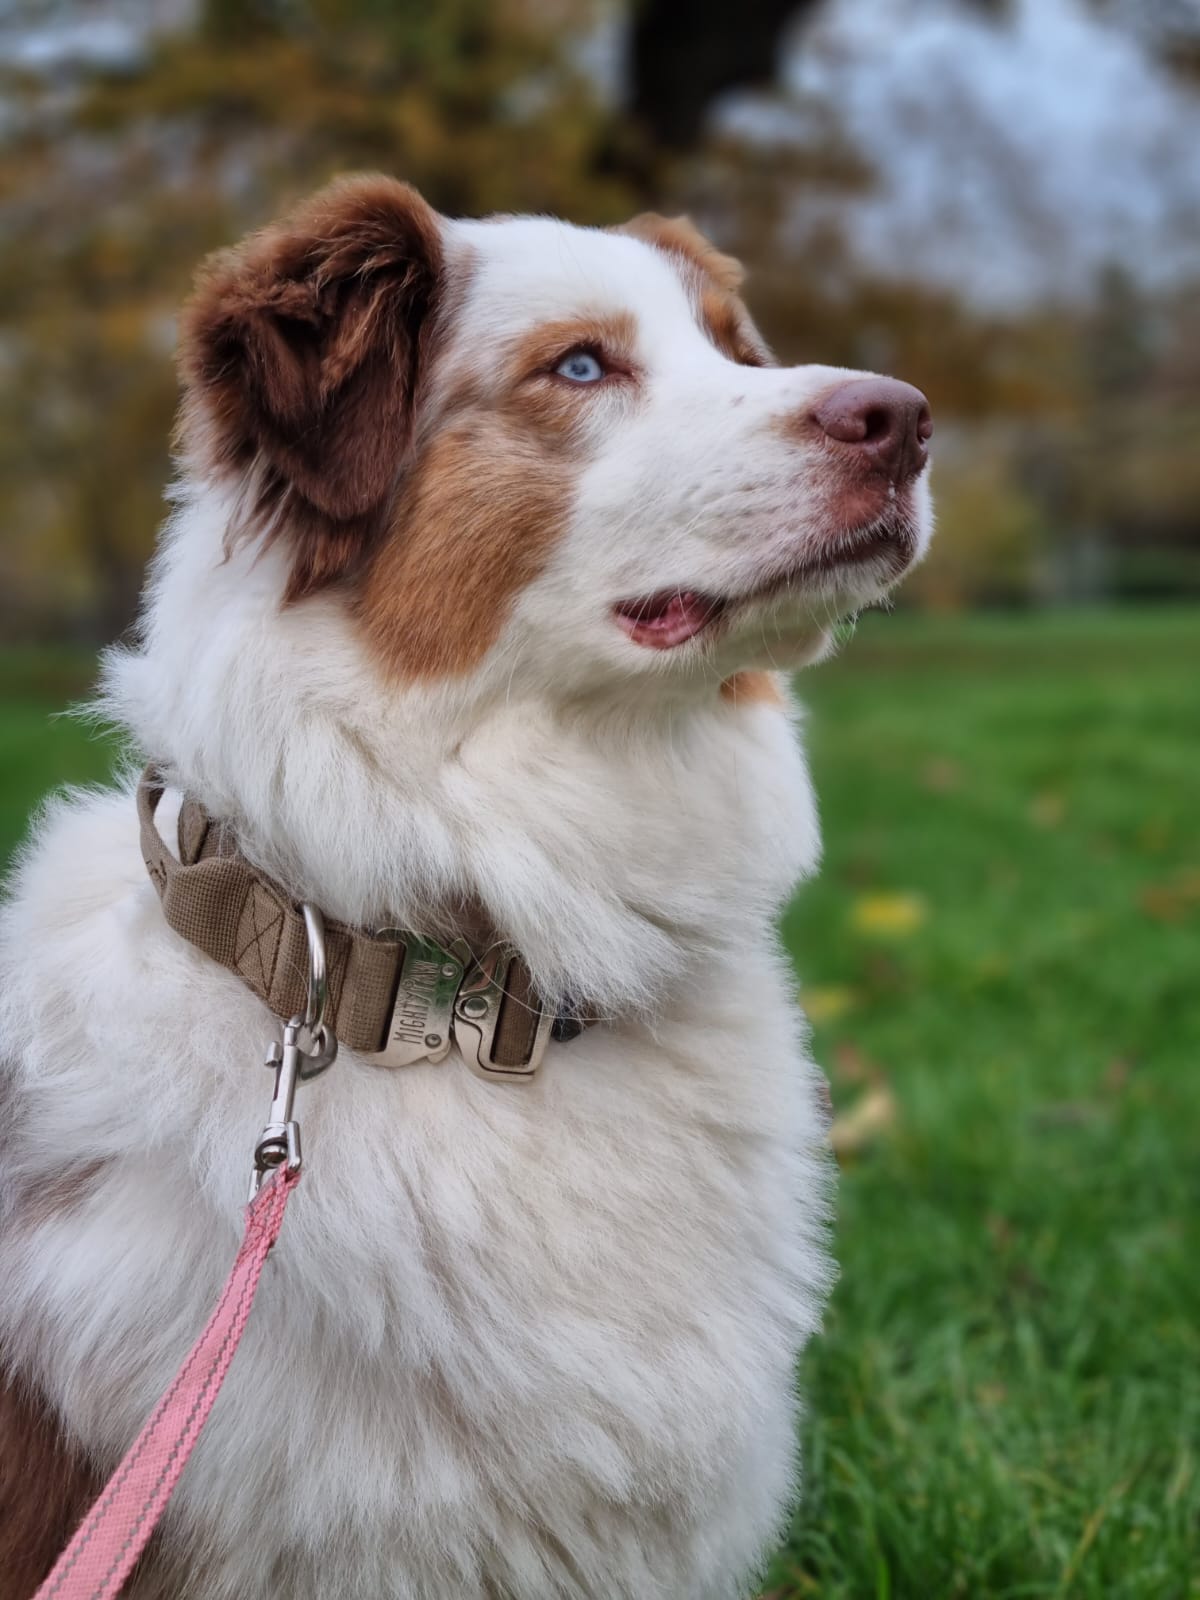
(559, 405)
(528, 365)
(488, 495)
(301, 352)
(481, 512)
(712, 278)
(611, 337)
(753, 688)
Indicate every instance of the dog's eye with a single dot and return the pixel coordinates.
(580, 366)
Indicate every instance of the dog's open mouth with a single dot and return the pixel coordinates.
(670, 617)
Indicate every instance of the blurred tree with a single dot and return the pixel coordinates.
(118, 177)
(685, 52)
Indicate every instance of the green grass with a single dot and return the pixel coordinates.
(1003, 953)
(1007, 1398)
(39, 749)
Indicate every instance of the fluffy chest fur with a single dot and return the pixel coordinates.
(528, 1342)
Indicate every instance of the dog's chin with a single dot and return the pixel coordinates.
(847, 571)
(790, 610)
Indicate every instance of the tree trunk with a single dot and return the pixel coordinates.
(683, 52)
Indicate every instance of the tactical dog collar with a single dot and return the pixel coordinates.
(394, 996)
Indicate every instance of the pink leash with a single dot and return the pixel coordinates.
(116, 1530)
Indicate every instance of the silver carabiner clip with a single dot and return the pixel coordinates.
(293, 1061)
(279, 1142)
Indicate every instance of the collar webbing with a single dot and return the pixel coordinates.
(213, 897)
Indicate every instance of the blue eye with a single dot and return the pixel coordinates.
(580, 366)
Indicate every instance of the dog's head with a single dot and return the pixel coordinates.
(521, 444)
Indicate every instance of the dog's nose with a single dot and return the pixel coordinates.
(887, 420)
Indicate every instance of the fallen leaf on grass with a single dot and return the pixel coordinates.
(886, 975)
(941, 775)
(1154, 835)
(852, 1066)
(1067, 1114)
(1117, 1074)
(872, 1115)
(1046, 810)
(1000, 1229)
(889, 915)
(1171, 901)
(827, 1002)
(992, 966)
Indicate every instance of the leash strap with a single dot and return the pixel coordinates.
(116, 1530)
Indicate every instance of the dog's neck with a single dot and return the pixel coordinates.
(614, 843)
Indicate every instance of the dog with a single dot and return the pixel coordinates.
(489, 543)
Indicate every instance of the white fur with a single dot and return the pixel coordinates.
(529, 1342)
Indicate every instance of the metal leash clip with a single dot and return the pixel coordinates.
(308, 1046)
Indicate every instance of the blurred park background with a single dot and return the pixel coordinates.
(998, 200)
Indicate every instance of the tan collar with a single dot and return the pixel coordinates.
(394, 996)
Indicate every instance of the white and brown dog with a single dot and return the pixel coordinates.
(487, 536)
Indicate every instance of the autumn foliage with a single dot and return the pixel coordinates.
(1062, 458)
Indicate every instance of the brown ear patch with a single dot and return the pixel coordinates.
(301, 350)
(681, 237)
(714, 279)
(728, 325)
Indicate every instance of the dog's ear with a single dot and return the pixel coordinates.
(680, 237)
(715, 280)
(299, 353)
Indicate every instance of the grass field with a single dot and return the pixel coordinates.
(1002, 961)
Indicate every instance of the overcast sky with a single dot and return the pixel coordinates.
(1015, 158)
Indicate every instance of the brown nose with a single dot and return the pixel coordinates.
(888, 421)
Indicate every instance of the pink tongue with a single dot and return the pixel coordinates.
(663, 625)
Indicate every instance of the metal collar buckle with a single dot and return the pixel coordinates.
(477, 1017)
(423, 1009)
(445, 996)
